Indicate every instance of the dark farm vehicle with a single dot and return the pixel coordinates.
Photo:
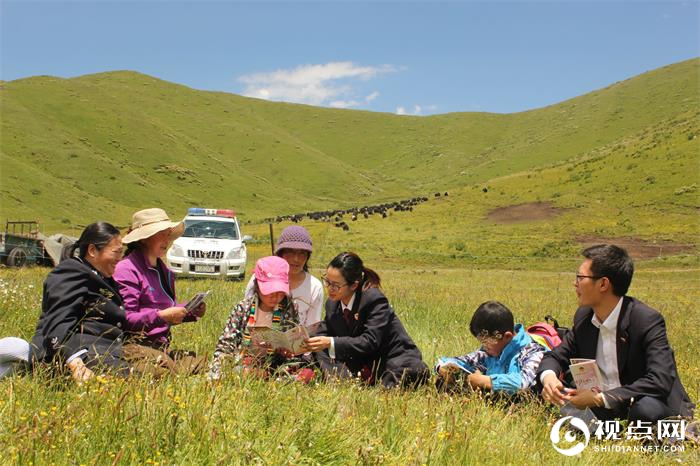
(22, 244)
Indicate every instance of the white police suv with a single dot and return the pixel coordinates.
(211, 245)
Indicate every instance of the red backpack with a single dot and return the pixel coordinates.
(547, 334)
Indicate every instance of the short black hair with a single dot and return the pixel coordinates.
(613, 262)
(490, 319)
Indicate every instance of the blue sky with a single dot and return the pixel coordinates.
(419, 57)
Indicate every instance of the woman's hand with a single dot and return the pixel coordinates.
(317, 343)
(79, 371)
(173, 315)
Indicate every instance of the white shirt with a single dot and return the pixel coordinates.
(343, 306)
(307, 299)
(606, 351)
(348, 306)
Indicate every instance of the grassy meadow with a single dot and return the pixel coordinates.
(249, 421)
(619, 165)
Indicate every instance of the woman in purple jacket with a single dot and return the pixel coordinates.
(147, 287)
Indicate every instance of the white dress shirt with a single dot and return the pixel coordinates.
(606, 351)
(331, 350)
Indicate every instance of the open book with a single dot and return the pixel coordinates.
(586, 374)
(456, 363)
(197, 301)
(291, 340)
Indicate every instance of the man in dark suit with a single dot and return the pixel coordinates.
(627, 339)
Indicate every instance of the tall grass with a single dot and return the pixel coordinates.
(48, 420)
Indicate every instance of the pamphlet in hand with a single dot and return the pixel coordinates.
(586, 374)
(456, 363)
(197, 301)
(292, 340)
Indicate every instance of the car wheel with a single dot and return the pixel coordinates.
(17, 257)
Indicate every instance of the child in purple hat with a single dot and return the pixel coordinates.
(268, 306)
(306, 291)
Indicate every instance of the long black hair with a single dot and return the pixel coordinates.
(99, 233)
(353, 270)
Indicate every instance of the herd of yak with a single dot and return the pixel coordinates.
(338, 216)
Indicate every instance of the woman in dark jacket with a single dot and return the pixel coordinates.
(82, 318)
(361, 334)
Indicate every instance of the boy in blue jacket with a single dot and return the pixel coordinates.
(507, 361)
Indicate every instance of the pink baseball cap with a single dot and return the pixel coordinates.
(272, 275)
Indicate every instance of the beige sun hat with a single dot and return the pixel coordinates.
(146, 223)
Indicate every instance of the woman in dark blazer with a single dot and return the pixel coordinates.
(82, 317)
(361, 335)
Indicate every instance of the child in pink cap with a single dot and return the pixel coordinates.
(306, 291)
(269, 306)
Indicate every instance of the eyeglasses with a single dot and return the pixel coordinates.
(333, 286)
(581, 277)
(489, 339)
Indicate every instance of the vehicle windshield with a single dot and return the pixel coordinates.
(210, 229)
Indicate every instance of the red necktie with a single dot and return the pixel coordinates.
(346, 316)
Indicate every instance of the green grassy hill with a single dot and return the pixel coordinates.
(639, 191)
(104, 145)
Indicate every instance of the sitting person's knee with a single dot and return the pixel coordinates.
(648, 409)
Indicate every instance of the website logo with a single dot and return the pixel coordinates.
(570, 436)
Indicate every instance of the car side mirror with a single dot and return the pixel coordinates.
(247, 238)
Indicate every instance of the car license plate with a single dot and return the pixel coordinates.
(203, 268)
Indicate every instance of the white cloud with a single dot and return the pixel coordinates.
(324, 84)
(372, 96)
(417, 109)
